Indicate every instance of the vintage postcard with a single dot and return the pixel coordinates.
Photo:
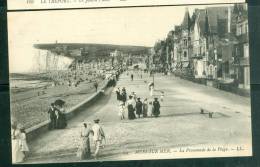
(56, 4)
(138, 83)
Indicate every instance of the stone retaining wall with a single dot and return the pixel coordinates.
(35, 131)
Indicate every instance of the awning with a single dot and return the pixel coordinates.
(185, 64)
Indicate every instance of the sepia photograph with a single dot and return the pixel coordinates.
(139, 83)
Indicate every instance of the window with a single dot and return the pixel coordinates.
(211, 70)
(185, 54)
(246, 28)
(185, 42)
(246, 50)
(239, 30)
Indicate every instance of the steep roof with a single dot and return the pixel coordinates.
(200, 14)
(186, 20)
(214, 14)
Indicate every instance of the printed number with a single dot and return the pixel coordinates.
(30, 1)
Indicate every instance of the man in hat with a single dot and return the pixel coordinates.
(123, 95)
(156, 107)
(96, 85)
(98, 136)
(118, 95)
(139, 107)
(52, 117)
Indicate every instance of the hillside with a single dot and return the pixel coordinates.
(92, 50)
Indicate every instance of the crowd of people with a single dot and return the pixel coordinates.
(135, 107)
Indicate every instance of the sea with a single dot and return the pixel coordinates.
(26, 81)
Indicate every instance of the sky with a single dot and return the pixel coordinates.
(122, 26)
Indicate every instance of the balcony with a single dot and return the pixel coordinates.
(241, 61)
(243, 38)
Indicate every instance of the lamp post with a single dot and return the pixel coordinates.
(153, 79)
(153, 76)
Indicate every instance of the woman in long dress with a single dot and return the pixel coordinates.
(17, 154)
(145, 107)
(131, 108)
(61, 121)
(156, 107)
(150, 109)
(84, 151)
(23, 143)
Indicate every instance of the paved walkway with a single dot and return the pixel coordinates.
(180, 124)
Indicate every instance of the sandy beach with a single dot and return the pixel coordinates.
(31, 96)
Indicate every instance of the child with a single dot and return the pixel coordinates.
(23, 144)
(121, 111)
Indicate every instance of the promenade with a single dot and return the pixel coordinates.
(180, 123)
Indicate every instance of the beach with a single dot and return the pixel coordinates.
(31, 96)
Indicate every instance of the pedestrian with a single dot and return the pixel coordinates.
(121, 111)
(134, 96)
(123, 95)
(162, 96)
(98, 136)
(151, 90)
(84, 151)
(117, 75)
(156, 107)
(17, 154)
(23, 143)
(61, 114)
(150, 85)
(52, 117)
(150, 109)
(139, 107)
(132, 77)
(96, 85)
(131, 108)
(145, 107)
(114, 81)
(118, 95)
(110, 82)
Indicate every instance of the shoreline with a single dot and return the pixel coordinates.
(31, 108)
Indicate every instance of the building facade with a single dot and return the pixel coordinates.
(211, 44)
(242, 67)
